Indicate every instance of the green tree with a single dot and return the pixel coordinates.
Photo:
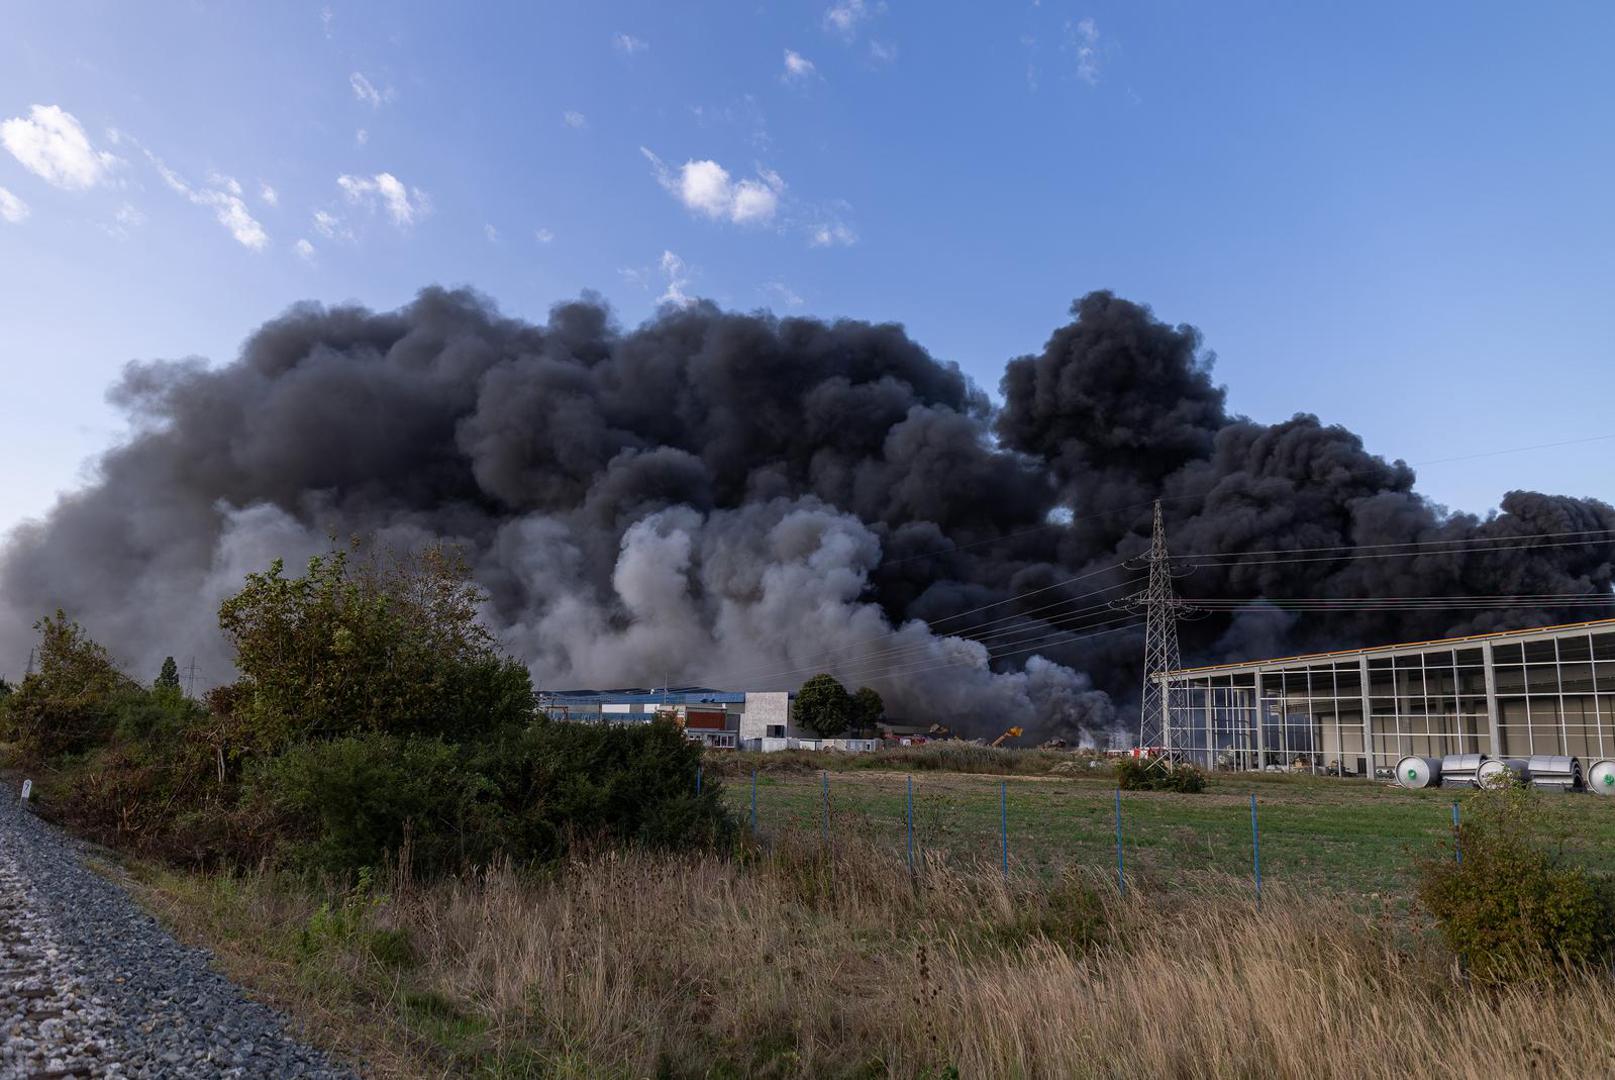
(868, 709)
(823, 706)
(377, 644)
(168, 677)
(72, 701)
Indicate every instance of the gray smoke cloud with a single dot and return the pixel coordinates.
(740, 500)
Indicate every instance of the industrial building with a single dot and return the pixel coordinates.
(1519, 694)
(722, 719)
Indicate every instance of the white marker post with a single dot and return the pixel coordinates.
(27, 790)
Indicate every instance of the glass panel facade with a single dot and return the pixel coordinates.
(1551, 694)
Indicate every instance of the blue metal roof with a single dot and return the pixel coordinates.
(639, 695)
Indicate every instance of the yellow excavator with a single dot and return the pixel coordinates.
(1012, 733)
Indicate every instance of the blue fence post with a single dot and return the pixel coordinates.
(1121, 872)
(1457, 836)
(1003, 822)
(911, 824)
(824, 776)
(698, 779)
(1256, 852)
(754, 802)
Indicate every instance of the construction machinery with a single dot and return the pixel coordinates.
(1012, 733)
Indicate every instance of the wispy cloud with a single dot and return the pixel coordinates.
(268, 194)
(405, 205)
(367, 91)
(798, 68)
(706, 188)
(124, 222)
(491, 233)
(222, 195)
(671, 273)
(574, 119)
(12, 209)
(543, 236)
(51, 144)
(844, 16)
(783, 293)
(882, 53)
(330, 226)
(1082, 39)
(628, 44)
(831, 234)
(304, 249)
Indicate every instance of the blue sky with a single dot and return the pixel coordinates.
(1396, 216)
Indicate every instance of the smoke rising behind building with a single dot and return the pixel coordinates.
(734, 499)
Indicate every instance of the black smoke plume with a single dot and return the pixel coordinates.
(726, 499)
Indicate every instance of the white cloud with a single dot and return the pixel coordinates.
(1082, 38)
(845, 15)
(543, 236)
(12, 209)
(675, 275)
(361, 136)
(403, 204)
(52, 145)
(629, 45)
(223, 197)
(304, 249)
(882, 53)
(784, 293)
(678, 276)
(798, 68)
(706, 188)
(491, 233)
(268, 194)
(330, 226)
(367, 91)
(831, 234)
(574, 119)
(125, 221)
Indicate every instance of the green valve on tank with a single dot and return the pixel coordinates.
(1413, 774)
(1609, 779)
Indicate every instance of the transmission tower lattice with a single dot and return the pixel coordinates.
(1162, 609)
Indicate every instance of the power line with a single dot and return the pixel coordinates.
(1131, 624)
(849, 653)
(1347, 556)
(1350, 550)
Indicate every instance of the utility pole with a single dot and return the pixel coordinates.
(190, 678)
(31, 654)
(1161, 655)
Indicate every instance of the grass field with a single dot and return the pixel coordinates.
(1352, 836)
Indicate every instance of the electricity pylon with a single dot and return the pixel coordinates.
(1161, 655)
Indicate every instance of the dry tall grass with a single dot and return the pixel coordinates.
(790, 964)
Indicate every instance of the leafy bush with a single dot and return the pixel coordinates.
(1509, 905)
(375, 645)
(70, 703)
(1135, 774)
(525, 793)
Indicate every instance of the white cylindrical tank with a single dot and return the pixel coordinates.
(1461, 770)
(1418, 772)
(1492, 770)
(1554, 771)
(1601, 777)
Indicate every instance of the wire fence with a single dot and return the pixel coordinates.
(1358, 838)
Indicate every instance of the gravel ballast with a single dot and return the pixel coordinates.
(90, 985)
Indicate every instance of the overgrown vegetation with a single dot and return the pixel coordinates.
(793, 964)
(1506, 903)
(1135, 774)
(374, 720)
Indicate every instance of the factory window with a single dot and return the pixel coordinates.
(776, 731)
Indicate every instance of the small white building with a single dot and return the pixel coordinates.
(762, 720)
